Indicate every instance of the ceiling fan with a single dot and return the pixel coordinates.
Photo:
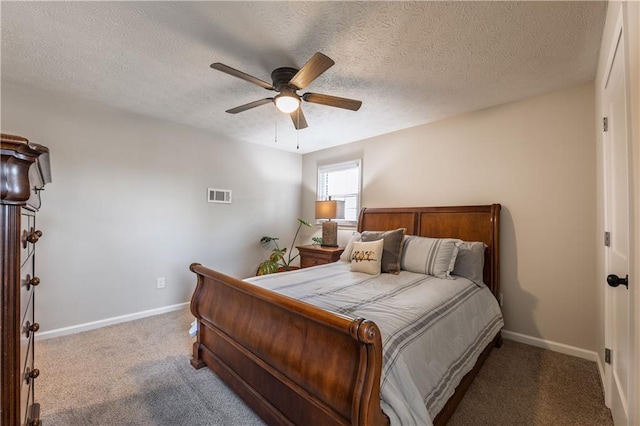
(287, 81)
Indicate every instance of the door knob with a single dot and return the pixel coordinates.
(614, 280)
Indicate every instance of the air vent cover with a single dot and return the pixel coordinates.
(219, 195)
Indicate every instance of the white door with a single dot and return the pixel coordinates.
(618, 374)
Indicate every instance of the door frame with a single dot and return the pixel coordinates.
(633, 412)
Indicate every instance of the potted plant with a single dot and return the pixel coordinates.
(277, 261)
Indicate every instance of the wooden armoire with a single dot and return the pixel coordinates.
(24, 172)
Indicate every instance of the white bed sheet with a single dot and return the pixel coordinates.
(432, 329)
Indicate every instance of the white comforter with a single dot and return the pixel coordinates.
(432, 329)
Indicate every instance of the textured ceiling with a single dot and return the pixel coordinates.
(409, 62)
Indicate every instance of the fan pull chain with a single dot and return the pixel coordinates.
(298, 130)
(276, 116)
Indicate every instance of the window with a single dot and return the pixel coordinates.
(341, 182)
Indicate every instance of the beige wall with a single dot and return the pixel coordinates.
(128, 205)
(632, 25)
(537, 158)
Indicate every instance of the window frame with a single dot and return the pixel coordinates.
(327, 168)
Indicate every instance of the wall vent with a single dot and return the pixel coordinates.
(219, 196)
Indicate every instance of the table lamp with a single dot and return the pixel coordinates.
(330, 209)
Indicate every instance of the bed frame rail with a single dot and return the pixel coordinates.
(321, 368)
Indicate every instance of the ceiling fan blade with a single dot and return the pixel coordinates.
(334, 101)
(318, 64)
(249, 105)
(234, 72)
(299, 121)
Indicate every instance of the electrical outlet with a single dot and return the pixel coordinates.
(501, 300)
(160, 282)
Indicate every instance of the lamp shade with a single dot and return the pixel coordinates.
(331, 209)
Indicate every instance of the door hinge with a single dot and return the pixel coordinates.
(607, 356)
(605, 124)
(607, 239)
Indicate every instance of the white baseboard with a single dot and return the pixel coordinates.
(552, 346)
(109, 321)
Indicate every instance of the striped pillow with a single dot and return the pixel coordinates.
(431, 256)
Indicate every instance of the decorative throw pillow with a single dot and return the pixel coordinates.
(392, 247)
(367, 257)
(470, 261)
(346, 254)
(431, 256)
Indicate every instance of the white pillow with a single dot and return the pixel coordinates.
(367, 257)
(470, 261)
(431, 256)
(346, 254)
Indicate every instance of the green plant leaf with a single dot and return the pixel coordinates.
(277, 258)
(277, 255)
(303, 222)
(268, 267)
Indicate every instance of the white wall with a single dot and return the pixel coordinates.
(128, 204)
(537, 158)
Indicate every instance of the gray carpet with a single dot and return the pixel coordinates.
(138, 373)
(525, 385)
(134, 373)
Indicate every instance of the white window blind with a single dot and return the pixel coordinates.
(341, 182)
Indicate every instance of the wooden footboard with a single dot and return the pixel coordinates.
(291, 362)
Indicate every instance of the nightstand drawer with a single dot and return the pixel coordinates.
(318, 255)
(307, 262)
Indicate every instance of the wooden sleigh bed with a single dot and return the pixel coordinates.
(294, 363)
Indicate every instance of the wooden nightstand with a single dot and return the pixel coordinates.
(318, 255)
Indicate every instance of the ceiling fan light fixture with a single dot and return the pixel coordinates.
(287, 81)
(287, 103)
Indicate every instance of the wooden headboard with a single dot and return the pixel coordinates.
(469, 223)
